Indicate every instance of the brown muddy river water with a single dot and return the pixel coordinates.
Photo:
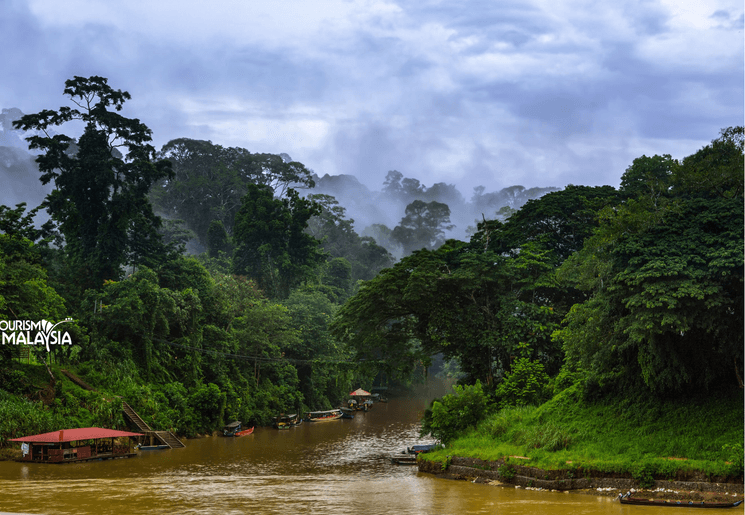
(338, 467)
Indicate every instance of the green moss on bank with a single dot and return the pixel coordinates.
(642, 437)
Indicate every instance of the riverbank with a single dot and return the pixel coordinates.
(509, 473)
(567, 443)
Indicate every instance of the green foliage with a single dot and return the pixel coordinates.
(643, 473)
(549, 436)
(209, 403)
(629, 434)
(715, 171)
(665, 278)
(507, 472)
(526, 384)
(669, 312)
(271, 244)
(423, 226)
(735, 456)
(217, 239)
(209, 181)
(100, 196)
(648, 177)
(21, 417)
(338, 238)
(456, 412)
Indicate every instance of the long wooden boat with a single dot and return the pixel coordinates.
(626, 499)
(403, 459)
(287, 421)
(151, 447)
(323, 416)
(245, 432)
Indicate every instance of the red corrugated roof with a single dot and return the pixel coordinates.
(70, 435)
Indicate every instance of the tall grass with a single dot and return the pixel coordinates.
(638, 437)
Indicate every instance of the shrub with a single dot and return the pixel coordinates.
(456, 412)
(526, 385)
(735, 455)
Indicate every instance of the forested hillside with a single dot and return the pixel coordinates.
(281, 305)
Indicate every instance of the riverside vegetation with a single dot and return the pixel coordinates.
(695, 439)
(593, 325)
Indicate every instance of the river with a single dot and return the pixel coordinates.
(338, 467)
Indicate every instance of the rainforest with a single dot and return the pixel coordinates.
(207, 284)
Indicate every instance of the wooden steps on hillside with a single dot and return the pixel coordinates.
(75, 379)
(135, 418)
(167, 437)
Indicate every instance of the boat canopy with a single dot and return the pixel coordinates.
(359, 392)
(72, 435)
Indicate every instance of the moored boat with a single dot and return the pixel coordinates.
(323, 416)
(245, 432)
(403, 459)
(627, 499)
(232, 428)
(360, 400)
(151, 447)
(418, 449)
(287, 421)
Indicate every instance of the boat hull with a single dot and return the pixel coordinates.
(680, 504)
(323, 416)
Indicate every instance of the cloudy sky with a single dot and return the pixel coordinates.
(467, 92)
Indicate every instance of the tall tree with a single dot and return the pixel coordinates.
(209, 181)
(339, 239)
(664, 272)
(423, 227)
(101, 182)
(272, 246)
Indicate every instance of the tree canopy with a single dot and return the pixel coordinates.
(101, 180)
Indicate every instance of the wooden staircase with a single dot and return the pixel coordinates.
(166, 437)
(169, 439)
(135, 418)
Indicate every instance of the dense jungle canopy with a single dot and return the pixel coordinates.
(282, 305)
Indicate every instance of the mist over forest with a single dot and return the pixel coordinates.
(301, 286)
(374, 214)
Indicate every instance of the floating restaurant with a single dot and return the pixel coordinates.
(74, 445)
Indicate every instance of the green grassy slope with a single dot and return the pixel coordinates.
(641, 437)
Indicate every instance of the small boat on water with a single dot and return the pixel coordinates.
(287, 421)
(323, 416)
(232, 428)
(418, 449)
(360, 400)
(245, 432)
(151, 447)
(627, 499)
(403, 459)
